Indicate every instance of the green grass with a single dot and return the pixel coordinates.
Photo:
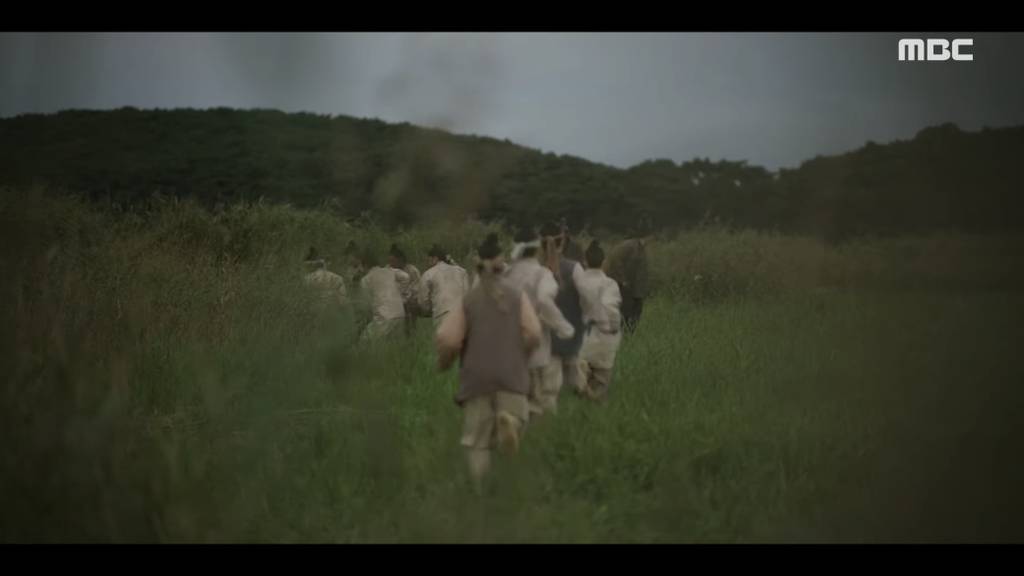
(155, 391)
(840, 417)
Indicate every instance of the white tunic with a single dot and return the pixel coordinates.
(330, 285)
(539, 284)
(600, 299)
(383, 288)
(441, 289)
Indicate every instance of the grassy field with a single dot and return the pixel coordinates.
(157, 390)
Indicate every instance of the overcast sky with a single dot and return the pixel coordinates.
(770, 99)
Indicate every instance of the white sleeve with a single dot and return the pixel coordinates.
(577, 275)
(403, 279)
(611, 299)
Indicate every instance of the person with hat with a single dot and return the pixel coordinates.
(491, 331)
(442, 286)
(526, 273)
(601, 300)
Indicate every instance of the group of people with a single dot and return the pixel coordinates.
(528, 327)
(392, 295)
(547, 317)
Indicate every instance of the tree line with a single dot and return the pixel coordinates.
(399, 175)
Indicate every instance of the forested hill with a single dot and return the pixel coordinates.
(944, 178)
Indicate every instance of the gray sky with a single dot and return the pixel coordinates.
(772, 99)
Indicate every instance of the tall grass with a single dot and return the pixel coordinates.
(168, 379)
(715, 262)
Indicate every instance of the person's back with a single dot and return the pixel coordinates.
(494, 354)
(600, 299)
(330, 285)
(568, 302)
(382, 288)
(491, 331)
(627, 265)
(441, 289)
(537, 282)
(529, 276)
(601, 302)
(567, 272)
(590, 300)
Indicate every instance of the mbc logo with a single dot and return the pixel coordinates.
(938, 50)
